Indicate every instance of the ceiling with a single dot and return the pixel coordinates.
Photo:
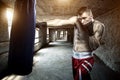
(63, 9)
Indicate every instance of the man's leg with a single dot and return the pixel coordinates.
(76, 71)
(86, 68)
(82, 68)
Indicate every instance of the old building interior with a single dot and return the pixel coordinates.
(46, 54)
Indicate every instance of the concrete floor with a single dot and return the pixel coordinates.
(54, 63)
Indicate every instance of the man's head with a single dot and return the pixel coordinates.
(85, 15)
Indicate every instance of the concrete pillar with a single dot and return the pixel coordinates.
(43, 33)
(70, 34)
(53, 35)
(58, 34)
(65, 35)
(50, 35)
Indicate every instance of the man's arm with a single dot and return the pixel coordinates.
(96, 39)
(60, 22)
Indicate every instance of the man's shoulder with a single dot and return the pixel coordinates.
(97, 22)
(98, 25)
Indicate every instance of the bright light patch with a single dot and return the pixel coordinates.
(9, 15)
(63, 2)
(13, 77)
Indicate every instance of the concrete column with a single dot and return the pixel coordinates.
(53, 35)
(50, 35)
(70, 35)
(42, 34)
(58, 34)
(65, 34)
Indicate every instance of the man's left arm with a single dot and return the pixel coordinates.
(96, 39)
(99, 34)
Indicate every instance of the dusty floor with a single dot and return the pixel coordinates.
(54, 63)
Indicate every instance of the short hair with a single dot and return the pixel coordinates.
(84, 9)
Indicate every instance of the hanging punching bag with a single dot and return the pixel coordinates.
(21, 49)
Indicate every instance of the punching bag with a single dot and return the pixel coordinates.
(21, 47)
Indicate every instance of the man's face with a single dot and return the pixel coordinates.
(85, 18)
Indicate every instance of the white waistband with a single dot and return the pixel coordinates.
(82, 55)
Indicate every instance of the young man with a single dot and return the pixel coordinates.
(87, 37)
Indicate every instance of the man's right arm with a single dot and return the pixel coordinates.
(60, 22)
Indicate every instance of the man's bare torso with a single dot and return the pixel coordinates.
(81, 39)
